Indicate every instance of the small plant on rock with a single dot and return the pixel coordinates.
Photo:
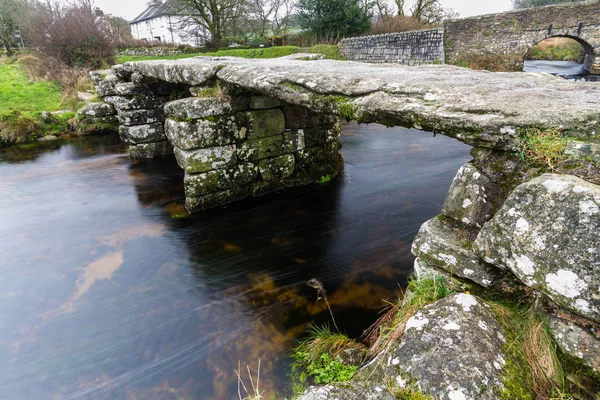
(544, 146)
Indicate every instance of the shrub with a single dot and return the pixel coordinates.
(396, 23)
(491, 62)
(70, 33)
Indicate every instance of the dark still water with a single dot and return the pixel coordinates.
(106, 294)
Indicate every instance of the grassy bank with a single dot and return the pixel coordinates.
(19, 94)
(330, 52)
(27, 103)
(263, 52)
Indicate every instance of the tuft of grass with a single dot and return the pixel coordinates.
(389, 328)
(533, 369)
(544, 147)
(330, 51)
(316, 357)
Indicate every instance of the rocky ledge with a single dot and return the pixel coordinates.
(480, 108)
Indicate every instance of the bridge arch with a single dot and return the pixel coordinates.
(513, 34)
(590, 51)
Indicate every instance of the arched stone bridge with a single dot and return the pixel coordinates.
(515, 33)
(508, 35)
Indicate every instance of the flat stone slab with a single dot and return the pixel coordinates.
(485, 109)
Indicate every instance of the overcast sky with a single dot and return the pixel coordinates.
(129, 9)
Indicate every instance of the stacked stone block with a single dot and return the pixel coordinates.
(409, 48)
(139, 110)
(250, 146)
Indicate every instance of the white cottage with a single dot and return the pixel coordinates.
(160, 24)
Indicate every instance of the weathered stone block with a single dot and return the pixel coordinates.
(312, 163)
(253, 150)
(203, 160)
(472, 197)
(106, 87)
(216, 131)
(277, 168)
(138, 102)
(579, 342)
(293, 141)
(547, 233)
(348, 391)
(139, 134)
(449, 248)
(129, 89)
(141, 117)
(264, 103)
(220, 198)
(196, 107)
(151, 150)
(583, 150)
(217, 180)
(97, 110)
(265, 123)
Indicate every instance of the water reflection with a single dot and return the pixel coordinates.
(110, 295)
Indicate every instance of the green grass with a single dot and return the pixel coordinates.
(266, 52)
(19, 94)
(316, 358)
(330, 51)
(544, 147)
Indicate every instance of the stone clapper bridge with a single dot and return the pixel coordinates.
(243, 128)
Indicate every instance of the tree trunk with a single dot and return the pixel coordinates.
(9, 51)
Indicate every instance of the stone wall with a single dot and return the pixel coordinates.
(515, 33)
(410, 48)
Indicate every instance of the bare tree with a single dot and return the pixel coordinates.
(400, 4)
(431, 11)
(259, 15)
(282, 21)
(216, 16)
(9, 15)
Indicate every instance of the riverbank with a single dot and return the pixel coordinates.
(34, 109)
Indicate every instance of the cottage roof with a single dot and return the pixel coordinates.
(157, 10)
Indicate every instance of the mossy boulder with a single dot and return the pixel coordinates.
(451, 349)
(348, 391)
(547, 234)
(447, 245)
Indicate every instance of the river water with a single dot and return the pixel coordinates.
(565, 69)
(109, 294)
